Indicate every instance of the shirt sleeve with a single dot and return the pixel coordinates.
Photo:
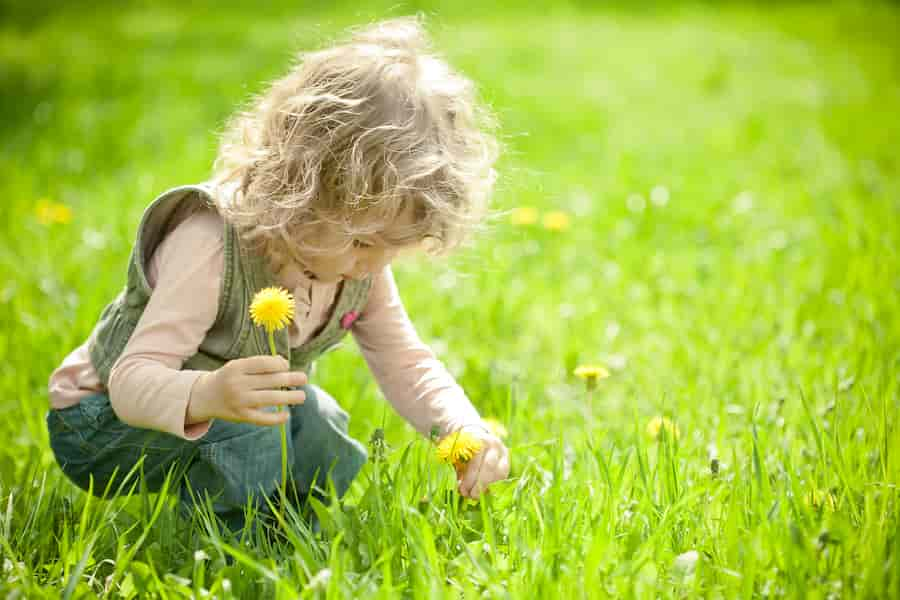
(147, 387)
(417, 385)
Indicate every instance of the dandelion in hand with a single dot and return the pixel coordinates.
(658, 424)
(524, 215)
(496, 428)
(591, 374)
(272, 308)
(458, 448)
(556, 221)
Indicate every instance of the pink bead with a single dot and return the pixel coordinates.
(348, 319)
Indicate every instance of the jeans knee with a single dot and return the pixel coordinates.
(322, 407)
(322, 446)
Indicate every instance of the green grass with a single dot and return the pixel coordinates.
(759, 307)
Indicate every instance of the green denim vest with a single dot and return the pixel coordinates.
(232, 335)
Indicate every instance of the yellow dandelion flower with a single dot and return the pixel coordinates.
(821, 499)
(48, 213)
(496, 427)
(272, 308)
(524, 215)
(591, 374)
(658, 424)
(458, 448)
(556, 221)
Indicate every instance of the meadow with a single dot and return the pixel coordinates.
(702, 197)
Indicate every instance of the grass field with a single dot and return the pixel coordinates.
(732, 177)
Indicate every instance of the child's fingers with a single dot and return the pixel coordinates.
(474, 471)
(266, 398)
(503, 466)
(494, 467)
(261, 364)
(467, 477)
(273, 381)
(266, 418)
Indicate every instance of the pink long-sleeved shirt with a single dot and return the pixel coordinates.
(147, 387)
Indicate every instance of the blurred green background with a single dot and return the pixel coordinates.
(731, 175)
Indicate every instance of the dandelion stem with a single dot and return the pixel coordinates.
(590, 400)
(283, 432)
(272, 343)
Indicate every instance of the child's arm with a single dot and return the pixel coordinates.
(147, 387)
(419, 386)
(413, 380)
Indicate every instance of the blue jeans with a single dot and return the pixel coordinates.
(232, 464)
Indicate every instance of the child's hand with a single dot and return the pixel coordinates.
(489, 465)
(240, 389)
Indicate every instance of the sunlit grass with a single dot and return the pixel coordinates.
(731, 191)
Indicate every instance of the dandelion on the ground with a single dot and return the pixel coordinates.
(591, 374)
(821, 499)
(458, 448)
(524, 215)
(658, 424)
(556, 221)
(272, 308)
(496, 427)
(48, 213)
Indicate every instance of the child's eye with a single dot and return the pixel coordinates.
(361, 244)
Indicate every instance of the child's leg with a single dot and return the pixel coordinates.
(321, 446)
(232, 463)
(236, 463)
(241, 461)
(96, 450)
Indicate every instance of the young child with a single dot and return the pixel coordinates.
(363, 149)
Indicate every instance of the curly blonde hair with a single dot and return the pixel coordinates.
(352, 136)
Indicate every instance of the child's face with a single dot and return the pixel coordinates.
(364, 258)
(368, 255)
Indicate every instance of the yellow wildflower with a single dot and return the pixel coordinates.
(821, 499)
(657, 424)
(272, 308)
(496, 427)
(524, 215)
(48, 213)
(591, 374)
(458, 448)
(556, 221)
